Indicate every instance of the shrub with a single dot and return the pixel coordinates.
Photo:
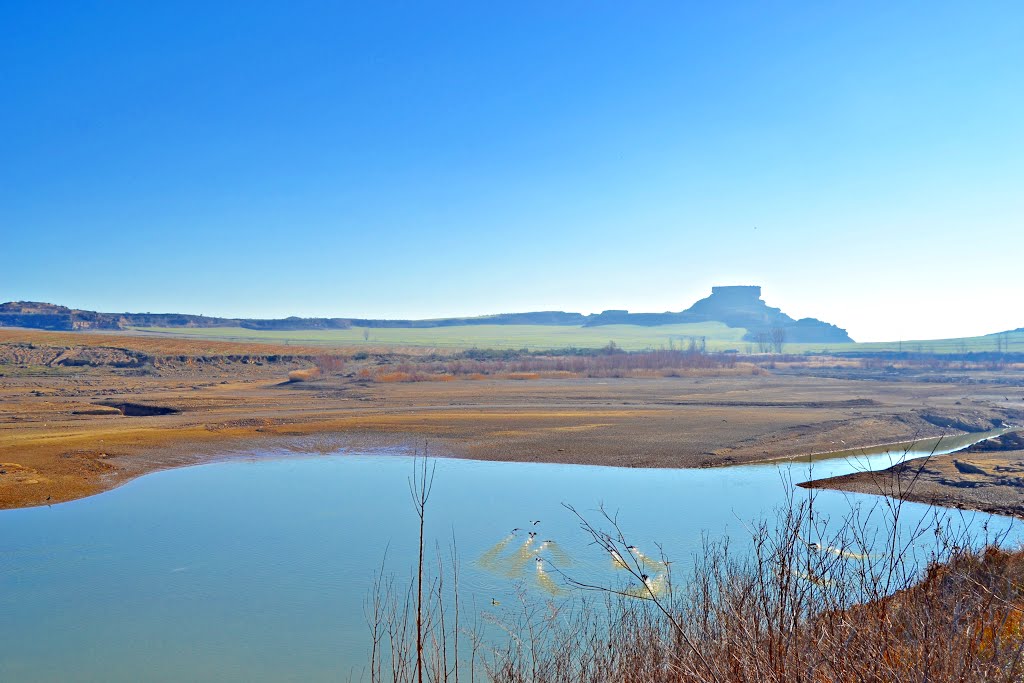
(305, 375)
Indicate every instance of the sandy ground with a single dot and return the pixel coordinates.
(60, 438)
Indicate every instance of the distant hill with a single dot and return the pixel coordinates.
(738, 307)
(44, 316)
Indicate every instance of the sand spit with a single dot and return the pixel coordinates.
(988, 477)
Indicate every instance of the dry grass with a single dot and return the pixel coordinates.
(650, 364)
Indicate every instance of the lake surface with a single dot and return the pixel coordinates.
(258, 569)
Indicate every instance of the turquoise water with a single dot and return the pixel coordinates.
(258, 569)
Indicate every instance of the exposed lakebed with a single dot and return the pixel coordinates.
(258, 569)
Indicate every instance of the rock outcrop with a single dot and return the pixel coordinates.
(742, 306)
(736, 306)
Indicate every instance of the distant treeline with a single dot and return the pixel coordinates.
(609, 362)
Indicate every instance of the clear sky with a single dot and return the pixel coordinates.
(863, 162)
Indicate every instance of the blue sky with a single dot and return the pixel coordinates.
(863, 162)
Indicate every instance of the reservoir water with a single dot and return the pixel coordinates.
(258, 569)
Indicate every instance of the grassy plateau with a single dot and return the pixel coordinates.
(535, 337)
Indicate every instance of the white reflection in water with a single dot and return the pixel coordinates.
(544, 580)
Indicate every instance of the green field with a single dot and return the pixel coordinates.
(541, 337)
(534, 337)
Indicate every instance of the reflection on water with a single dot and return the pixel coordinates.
(559, 556)
(544, 580)
(525, 553)
(514, 564)
(491, 559)
(652, 587)
(816, 547)
(651, 564)
(258, 570)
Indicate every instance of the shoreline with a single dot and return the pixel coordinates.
(67, 432)
(283, 447)
(989, 481)
(883, 448)
(120, 456)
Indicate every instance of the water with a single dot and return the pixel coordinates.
(257, 570)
